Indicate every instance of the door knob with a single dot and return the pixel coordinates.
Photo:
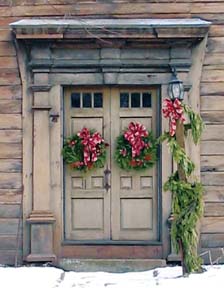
(107, 173)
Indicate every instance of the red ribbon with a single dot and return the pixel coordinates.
(134, 135)
(90, 142)
(174, 111)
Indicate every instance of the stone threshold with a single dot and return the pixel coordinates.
(110, 265)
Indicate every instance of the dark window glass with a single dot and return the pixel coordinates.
(135, 100)
(98, 100)
(124, 100)
(146, 100)
(86, 100)
(75, 100)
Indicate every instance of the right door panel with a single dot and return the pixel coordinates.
(134, 193)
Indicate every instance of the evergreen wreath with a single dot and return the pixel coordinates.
(136, 148)
(85, 150)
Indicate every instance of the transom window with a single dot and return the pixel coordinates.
(135, 99)
(86, 100)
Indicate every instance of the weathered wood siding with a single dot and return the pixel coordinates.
(212, 101)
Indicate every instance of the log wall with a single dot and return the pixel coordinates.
(212, 102)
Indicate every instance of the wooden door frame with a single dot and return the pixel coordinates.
(49, 84)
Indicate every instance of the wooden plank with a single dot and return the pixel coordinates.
(214, 8)
(5, 35)
(10, 181)
(10, 106)
(10, 92)
(212, 103)
(214, 59)
(8, 226)
(10, 165)
(212, 76)
(212, 179)
(212, 255)
(10, 196)
(10, 210)
(10, 150)
(215, 44)
(4, 22)
(213, 117)
(95, 9)
(7, 48)
(213, 193)
(8, 62)
(10, 136)
(212, 225)
(214, 209)
(7, 257)
(212, 147)
(212, 163)
(212, 240)
(216, 30)
(212, 89)
(111, 251)
(9, 242)
(9, 76)
(212, 132)
(11, 121)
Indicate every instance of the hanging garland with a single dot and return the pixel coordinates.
(136, 148)
(85, 150)
(186, 209)
(179, 155)
(187, 197)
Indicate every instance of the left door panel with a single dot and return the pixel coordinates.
(87, 203)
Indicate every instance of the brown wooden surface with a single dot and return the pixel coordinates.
(109, 251)
(212, 86)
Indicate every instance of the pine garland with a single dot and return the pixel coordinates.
(187, 198)
(196, 123)
(178, 153)
(187, 209)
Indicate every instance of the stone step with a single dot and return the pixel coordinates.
(110, 265)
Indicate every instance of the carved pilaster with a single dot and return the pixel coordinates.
(41, 218)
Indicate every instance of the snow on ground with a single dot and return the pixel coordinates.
(49, 277)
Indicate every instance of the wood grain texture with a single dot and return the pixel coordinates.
(11, 121)
(213, 194)
(213, 132)
(211, 117)
(10, 150)
(212, 163)
(212, 225)
(212, 179)
(214, 209)
(105, 9)
(10, 181)
(212, 240)
(10, 106)
(10, 165)
(10, 196)
(212, 148)
(212, 103)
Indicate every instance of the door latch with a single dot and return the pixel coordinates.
(107, 173)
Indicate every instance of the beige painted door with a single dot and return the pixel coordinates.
(128, 209)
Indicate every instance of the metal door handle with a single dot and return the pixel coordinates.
(107, 172)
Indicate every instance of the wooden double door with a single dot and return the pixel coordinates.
(110, 204)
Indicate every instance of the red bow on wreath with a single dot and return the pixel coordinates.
(174, 111)
(134, 136)
(90, 143)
